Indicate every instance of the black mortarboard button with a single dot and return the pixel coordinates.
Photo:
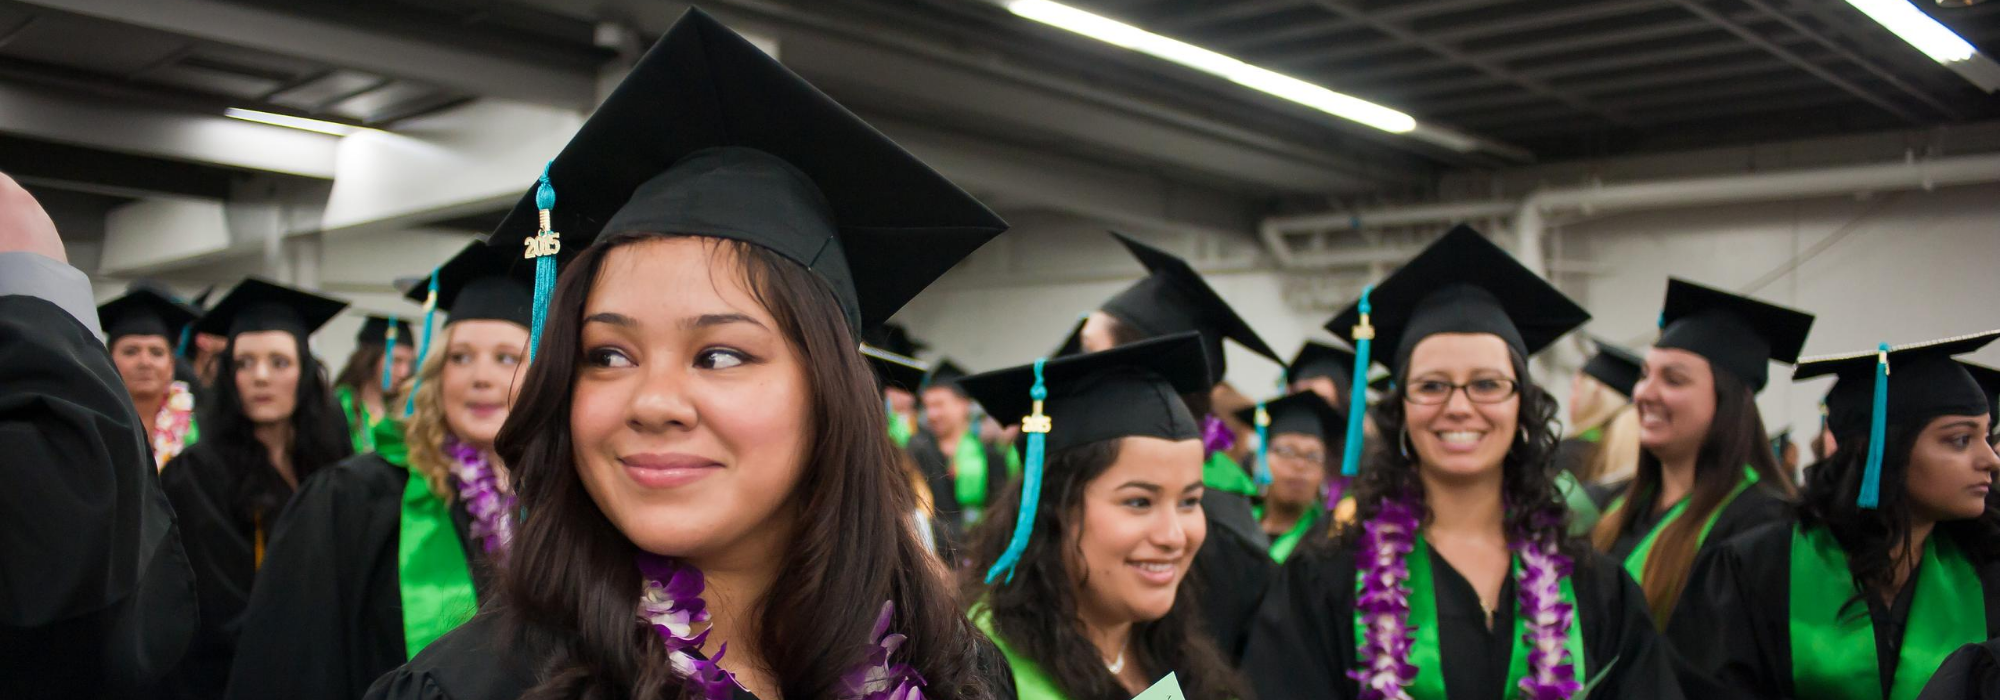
(259, 305)
(895, 369)
(144, 311)
(1175, 299)
(375, 330)
(1896, 386)
(709, 136)
(1617, 367)
(1735, 333)
(480, 282)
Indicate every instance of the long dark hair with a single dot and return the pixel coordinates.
(1527, 473)
(1735, 438)
(1876, 539)
(319, 436)
(363, 367)
(1036, 613)
(572, 586)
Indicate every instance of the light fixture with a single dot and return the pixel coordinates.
(1917, 28)
(291, 122)
(1264, 80)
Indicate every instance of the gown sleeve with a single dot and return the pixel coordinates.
(95, 590)
(321, 624)
(1727, 630)
(1301, 640)
(1624, 654)
(1230, 572)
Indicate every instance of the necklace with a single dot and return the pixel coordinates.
(1118, 666)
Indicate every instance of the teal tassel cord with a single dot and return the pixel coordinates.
(1037, 426)
(1878, 425)
(1357, 392)
(389, 357)
(544, 253)
(1263, 446)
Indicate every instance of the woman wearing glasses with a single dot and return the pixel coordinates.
(1299, 432)
(1457, 580)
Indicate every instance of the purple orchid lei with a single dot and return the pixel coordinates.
(1386, 541)
(671, 603)
(1216, 435)
(479, 489)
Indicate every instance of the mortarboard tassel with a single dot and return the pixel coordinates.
(389, 356)
(543, 251)
(181, 349)
(424, 347)
(1878, 424)
(1357, 403)
(1037, 426)
(1263, 445)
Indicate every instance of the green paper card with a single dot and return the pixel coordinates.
(1168, 688)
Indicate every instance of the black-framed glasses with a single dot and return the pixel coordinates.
(1431, 392)
(1315, 456)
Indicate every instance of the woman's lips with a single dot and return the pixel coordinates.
(666, 471)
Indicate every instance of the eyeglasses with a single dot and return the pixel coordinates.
(1431, 392)
(1314, 457)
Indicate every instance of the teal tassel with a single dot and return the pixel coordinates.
(187, 333)
(423, 348)
(1031, 481)
(545, 267)
(1357, 400)
(1263, 446)
(1878, 425)
(389, 356)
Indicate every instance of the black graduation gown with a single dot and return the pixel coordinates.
(221, 507)
(1732, 626)
(1302, 641)
(96, 595)
(1755, 507)
(1573, 454)
(326, 616)
(1971, 673)
(944, 488)
(1231, 570)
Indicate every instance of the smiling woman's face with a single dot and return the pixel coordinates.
(1142, 523)
(691, 411)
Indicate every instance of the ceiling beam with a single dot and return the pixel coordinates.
(1540, 20)
(1699, 9)
(1857, 59)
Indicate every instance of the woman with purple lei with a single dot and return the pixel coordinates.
(386, 551)
(1456, 579)
(711, 504)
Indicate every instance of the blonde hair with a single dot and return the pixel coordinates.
(1617, 454)
(1597, 405)
(425, 431)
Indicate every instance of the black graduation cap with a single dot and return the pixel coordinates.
(1129, 390)
(944, 374)
(375, 330)
(894, 338)
(144, 311)
(1304, 413)
(1175, 299)
(709, 136)
(480, 282)
(1736, 333)
(1989, 382)
(1321, 360)
(1923, 381)
(256, 304)
(1462, 283)
(895, 369)
(1895, 386)
(1617, 367)
(1072, 344)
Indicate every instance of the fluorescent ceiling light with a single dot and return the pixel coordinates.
(1935, 40)
(291, 122)
(1119, 33)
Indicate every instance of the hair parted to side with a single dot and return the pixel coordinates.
(572, 586)
(319, 438)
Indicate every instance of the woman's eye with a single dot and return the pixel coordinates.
(1190, 502)
(460, 358)
(720, 359)
(1137, 502)
(509, 359)
(280, 363)
(608, 357)
(1959, 442)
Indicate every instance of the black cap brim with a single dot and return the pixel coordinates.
(1734, 332)
(1131, 390)
(1923, 381)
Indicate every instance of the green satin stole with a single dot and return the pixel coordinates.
(1222, 474)
(1833, 652)
(1030, 683)
(1635, 563)
(1281, 548)
(432, 575)
(1425, 652)
(360, 427)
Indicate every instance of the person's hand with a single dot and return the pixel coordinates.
(24, 226)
